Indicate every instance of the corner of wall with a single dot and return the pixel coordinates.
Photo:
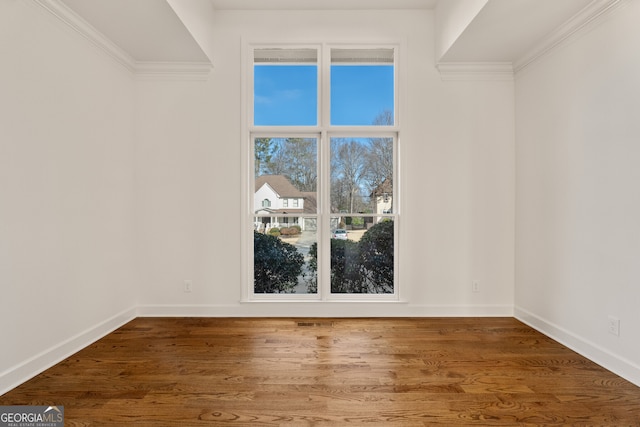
(17, 375)
(603, 357)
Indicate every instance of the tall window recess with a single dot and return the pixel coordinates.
(323, 143)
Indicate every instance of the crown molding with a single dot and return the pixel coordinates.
(195, 71)
(485, 71)
(86, 30)
(584, 20)
(140, 69)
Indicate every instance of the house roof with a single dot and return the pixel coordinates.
(385, 186)
(280, 184)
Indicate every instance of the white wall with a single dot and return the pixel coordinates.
(578, 198)
(187, 200)
(66, 192)
(457, 161)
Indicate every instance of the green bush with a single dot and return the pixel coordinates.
(346, 271)
(376, 256)
(312, 280)
(359, 267)
(276, 264)
(275, 231)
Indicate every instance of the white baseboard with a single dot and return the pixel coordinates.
(603, 357)
(325, 309)
(26, 370)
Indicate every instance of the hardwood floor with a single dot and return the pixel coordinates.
(317, 372)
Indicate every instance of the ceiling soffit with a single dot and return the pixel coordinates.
(507, 35)
(149, 38)
(148, 41)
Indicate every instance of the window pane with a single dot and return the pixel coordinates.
(362, 258)
(285, 225)
(285, 95)
(362, 87)
(282, 258)
(362, 175)
(286, 175)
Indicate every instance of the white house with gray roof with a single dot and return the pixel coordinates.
(278, 198)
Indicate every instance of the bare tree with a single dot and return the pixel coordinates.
(379, 161)
(349, 168)
(380, 155)
(385, 118)
(296, 158)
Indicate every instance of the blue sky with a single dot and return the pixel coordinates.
(287, 94)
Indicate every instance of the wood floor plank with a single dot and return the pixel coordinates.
(327, 372)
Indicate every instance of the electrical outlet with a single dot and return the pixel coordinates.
(614, 326)
(188, 286)
(475, 287)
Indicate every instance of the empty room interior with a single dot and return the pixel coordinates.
(131, 132)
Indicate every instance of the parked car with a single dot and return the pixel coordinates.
(340, 233)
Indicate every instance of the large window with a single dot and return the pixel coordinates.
(322, 126)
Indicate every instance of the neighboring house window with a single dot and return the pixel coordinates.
(266, 203)
(323, 127)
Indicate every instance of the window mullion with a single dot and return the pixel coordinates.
(324, 243)
(325, 87)
(324, 108)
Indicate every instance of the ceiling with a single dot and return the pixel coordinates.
(151, 31)
(505, 30)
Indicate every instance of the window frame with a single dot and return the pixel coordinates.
(323, 131)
